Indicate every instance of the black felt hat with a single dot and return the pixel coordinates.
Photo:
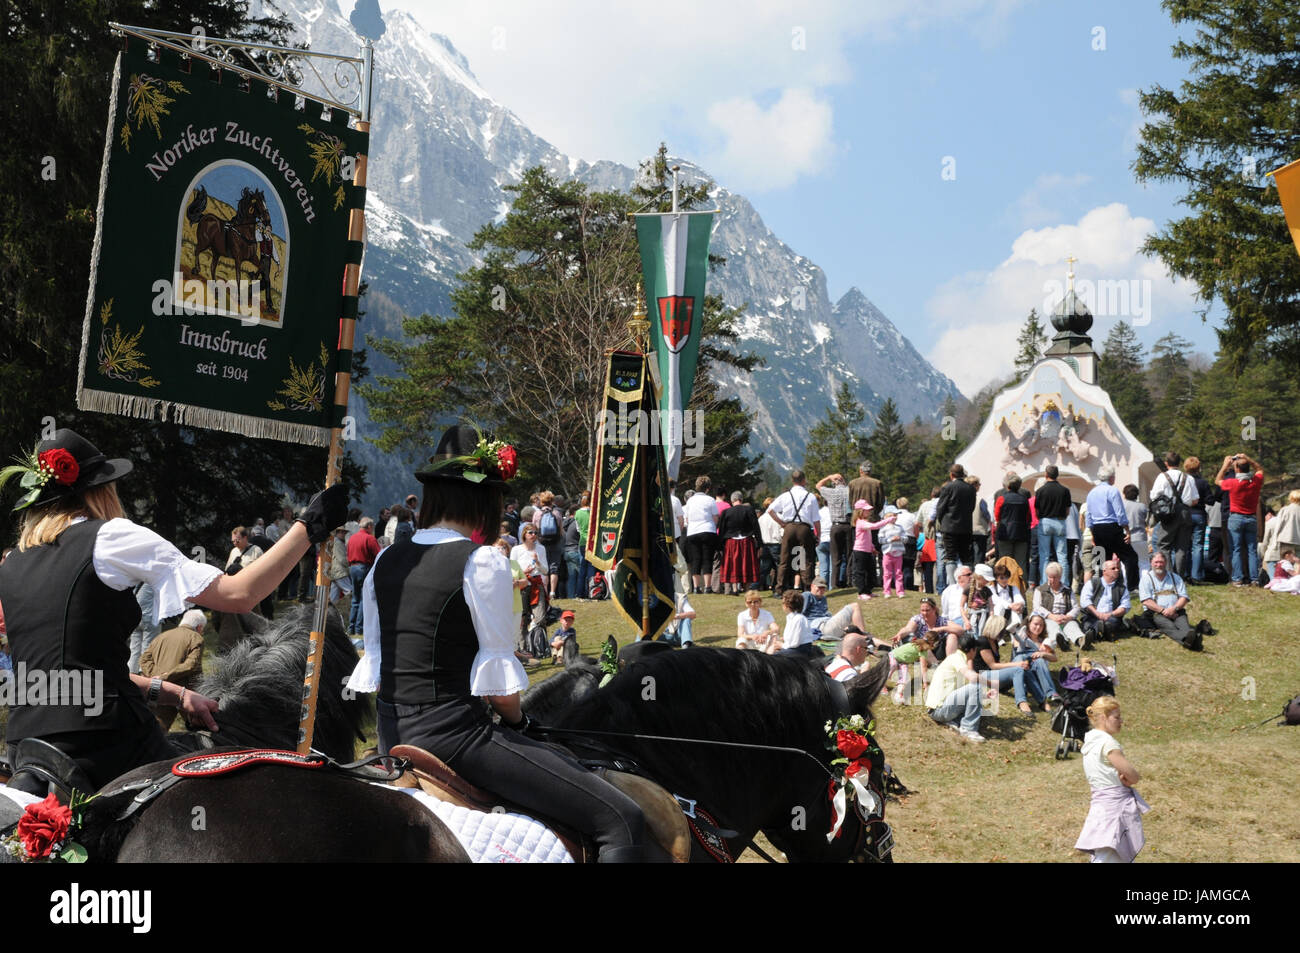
(464, 455)
(63, 466)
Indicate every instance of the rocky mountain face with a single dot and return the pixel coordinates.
(442, 149)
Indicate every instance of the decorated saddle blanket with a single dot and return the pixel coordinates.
(497, 838)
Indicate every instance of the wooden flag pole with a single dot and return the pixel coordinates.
(334, 465)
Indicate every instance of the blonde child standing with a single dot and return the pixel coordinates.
(893, 543)
(1112, 832)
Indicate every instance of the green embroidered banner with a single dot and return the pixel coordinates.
(621, 488)
(220, 242)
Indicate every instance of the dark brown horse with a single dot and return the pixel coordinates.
(235, 239)
(272, 813)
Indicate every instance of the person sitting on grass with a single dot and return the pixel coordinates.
(564, 632)
(954, 694)
(999, 672)
(1008, 600)
(926, 621)
(855, 650)
(1103, 603)
(797, 639)
(1056, 604)
(1031, 645)
(824, 624)
(1164, 597)
(755, 627)
(1286, 574)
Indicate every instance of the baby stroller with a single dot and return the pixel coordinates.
(1079, 687)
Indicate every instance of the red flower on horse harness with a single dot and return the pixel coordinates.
(62, 465)
(43, 826)
(850, 743)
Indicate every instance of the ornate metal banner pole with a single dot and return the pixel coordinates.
(338, 82)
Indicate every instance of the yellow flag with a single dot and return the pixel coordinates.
(1288, 190)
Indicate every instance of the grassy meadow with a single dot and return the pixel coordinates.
(1219, 788)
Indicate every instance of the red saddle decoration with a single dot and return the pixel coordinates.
(223, 762)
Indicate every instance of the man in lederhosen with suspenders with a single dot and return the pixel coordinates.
(796, 512)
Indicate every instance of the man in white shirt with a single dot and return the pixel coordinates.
(1174, 537)
(1103, 603)
(795, 511)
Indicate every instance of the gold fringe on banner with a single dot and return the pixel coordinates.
(149, 408)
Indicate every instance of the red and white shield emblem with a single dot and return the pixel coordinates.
(608, 542)
(675, 315)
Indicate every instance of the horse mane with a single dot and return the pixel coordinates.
(724, 695)
(259, 685)
(546, 700)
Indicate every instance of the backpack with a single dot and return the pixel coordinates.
(537, 643)
(548, 528)
(1291, 711)
(597, 588)
(1170, 511)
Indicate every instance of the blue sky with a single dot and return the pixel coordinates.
(839, 121)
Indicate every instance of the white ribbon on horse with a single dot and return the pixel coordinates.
(868, 804)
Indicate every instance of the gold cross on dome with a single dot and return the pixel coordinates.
(1070, 260)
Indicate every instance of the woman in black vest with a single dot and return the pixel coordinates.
(69, 605)
(440, 638)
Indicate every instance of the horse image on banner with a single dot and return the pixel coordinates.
(232, 249)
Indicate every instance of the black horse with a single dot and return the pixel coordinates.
(271, 812)
(748, 698)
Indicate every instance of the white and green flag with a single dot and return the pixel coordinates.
(674, 260)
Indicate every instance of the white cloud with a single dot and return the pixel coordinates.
(982, 312)
(610, 80)
(771, 148)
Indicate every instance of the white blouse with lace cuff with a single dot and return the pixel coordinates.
(488, 587)
(127, 554)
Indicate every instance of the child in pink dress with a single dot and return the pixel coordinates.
(863, 548)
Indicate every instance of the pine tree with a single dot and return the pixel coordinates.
(1171, 382)
(890, 450)
(1030, 345)
(1120, 374)
(1230, 122)
(836, 443)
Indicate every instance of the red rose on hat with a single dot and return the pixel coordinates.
(851, 744)
(507, 462)
(43, 825)
(62, 464)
